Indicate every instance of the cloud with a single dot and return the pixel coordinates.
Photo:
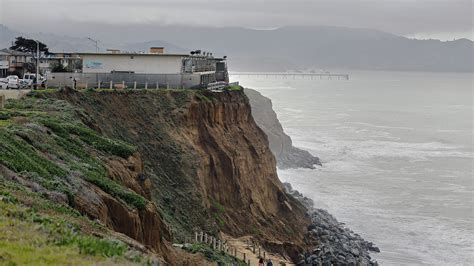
(406, 17)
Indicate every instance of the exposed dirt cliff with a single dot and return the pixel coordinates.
(208, 162)
(47, 152)
(281, 144)
(139, 161)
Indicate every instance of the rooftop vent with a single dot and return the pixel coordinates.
(113, 51)
(157, 50)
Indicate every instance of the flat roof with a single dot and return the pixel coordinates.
(132, 54)
(144, 54)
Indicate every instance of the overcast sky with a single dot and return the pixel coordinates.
(444, 19)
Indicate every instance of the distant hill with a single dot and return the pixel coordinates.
(324, 47)
(56, 43)
(318, 47)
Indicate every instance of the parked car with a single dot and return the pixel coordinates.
(29, 79)
(13, 82)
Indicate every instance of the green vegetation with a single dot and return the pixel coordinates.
(90, 137)
(49, 143)
(200, 95)
(19, 156)
(234, 88)
(217, 212)
(211, 254)
(36, 231)
(115, 189)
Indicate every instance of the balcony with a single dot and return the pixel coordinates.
(17, 64)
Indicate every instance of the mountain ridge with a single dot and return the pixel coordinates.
(281, 49)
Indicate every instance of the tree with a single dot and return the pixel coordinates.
(58, 67)
(29, 46)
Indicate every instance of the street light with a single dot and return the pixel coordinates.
(95, 42)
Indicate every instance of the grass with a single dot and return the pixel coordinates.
(19, 156)
(90, 137)
(35, 231)
(115, 189)
(234, 88)
(49, 158)
(202, 97)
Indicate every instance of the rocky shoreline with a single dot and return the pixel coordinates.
(335, 244)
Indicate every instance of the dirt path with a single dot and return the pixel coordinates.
(241, 245)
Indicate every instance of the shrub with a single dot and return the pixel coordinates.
(116, 189)
(19, 156)
(89, 136)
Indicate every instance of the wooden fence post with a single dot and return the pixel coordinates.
(123, 84)
(2, 101)
(99, 84)
(245, 256)
(196, 237)
(111, 84)
(259, 253)
(134, 85)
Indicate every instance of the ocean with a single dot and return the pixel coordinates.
(397, 153)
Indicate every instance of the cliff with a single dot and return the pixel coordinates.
(142, 162)
(124, 174)
(208, 161)
(281, 145)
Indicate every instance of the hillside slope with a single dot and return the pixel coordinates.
(140, 162)
(209, 162)
(46, 153)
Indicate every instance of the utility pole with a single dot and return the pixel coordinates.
(37, 64)
(96, 42)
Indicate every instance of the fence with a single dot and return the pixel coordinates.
(221, 245)
(128, 80)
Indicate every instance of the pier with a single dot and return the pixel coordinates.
(295, 75)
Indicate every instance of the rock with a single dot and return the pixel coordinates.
(281, 145)
(355, 252)
(337, 244)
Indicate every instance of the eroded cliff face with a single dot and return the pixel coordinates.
(208, 162)
(281, 144)
(46, 150)
(144, 225)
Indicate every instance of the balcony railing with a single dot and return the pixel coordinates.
(17, 64)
